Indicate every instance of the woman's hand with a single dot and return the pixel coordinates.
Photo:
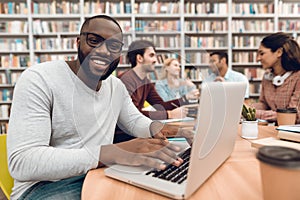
(269, 115)
(193, 94)
(178, 113)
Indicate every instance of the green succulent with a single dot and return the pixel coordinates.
(248, 113)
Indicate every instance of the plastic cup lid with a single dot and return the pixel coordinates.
(287, 110)
(279, 156)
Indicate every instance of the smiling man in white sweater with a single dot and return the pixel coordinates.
(64, 115)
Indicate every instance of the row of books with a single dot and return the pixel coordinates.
(157, 7)
(263, 25)
(199, 57)
(12, 60)
(123, 60)
(67, 26)
(289, 8)
(4, 111)
(65, 7)
(246, 41)
(13, 8)
(196, 73)
(6, 94)
(48, 57)
(244, 57)
(97, 6)
(55, 43)
(55, 7)
(125, 25)
(201, 41)
(160, 58)
(252, 8)
(127, 40)
(14, 44)
(67, 43)
(157, 25)
(206, 8)
(289, 25)
(163, 41)
(14, 26)
(8, 77)
(3, 127)
(206, 25)
(73, 26)
(107, 7)
(253, 73)
(45, 26)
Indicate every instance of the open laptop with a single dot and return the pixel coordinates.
(217, 126)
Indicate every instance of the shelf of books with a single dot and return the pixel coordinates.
(250, 22)
(34, 31)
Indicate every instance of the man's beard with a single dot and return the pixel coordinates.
(214, 70)
(149, 68)
(84, 64)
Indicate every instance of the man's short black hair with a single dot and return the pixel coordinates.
(87, 21)
(221, 55)
(138, 47)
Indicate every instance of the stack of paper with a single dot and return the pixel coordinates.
(270, 141)
(289, 132)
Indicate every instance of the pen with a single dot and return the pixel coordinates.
(173, 104)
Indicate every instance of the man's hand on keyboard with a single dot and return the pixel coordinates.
(152, 152)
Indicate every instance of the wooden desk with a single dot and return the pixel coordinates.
(238, 178)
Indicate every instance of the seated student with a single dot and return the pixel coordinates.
(279, 55)
(64, 114)
(221, 72)
(142, 56)
(171, 86)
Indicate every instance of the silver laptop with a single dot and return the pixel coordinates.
(217, 126)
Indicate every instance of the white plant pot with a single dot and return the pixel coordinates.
(250, 129)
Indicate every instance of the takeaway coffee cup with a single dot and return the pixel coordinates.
(286, 116)
(280, 172)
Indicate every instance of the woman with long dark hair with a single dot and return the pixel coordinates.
(279, 55)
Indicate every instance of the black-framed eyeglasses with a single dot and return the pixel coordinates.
(95, 40)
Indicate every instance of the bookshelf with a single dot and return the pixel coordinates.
(251, 21)
(33, 31)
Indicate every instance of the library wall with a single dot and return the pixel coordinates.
(34, 31)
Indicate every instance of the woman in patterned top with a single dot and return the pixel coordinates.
(279, 55)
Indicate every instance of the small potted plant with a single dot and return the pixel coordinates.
(250, 123)
(248, 113)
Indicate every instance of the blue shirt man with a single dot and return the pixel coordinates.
(220, 71)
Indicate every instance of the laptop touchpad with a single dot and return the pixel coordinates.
(130, 169)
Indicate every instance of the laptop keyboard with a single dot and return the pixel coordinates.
(173, 173)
